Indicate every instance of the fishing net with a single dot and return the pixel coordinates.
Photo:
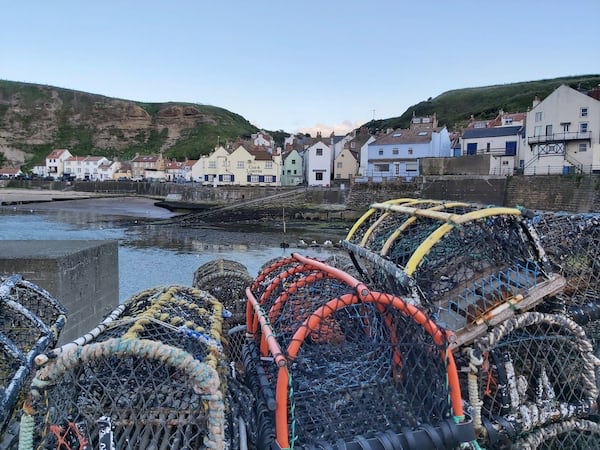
(574, 434)
(227, 281)
(469, 267)
(572, 243)
(30, 323)
(147, 377)
(332, 363)
(531, 370)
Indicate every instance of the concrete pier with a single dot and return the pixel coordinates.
(82, 275)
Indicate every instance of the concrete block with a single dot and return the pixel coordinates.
(82, 275)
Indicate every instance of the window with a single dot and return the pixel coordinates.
(583, 112)
(269, 179)
(339, 165)
(411, 166)
(537, 131)
(338, 175)
(548, 130)
(352, 144)
(268, 164)
(294, 171)
(227, 178)
(510, 148)
(487, 147)
(240, 164)
(319, 176)
(289, 172)
(212, 164)
(565, 126)
(538, 116)
(508, 121)
(472, 148)
(396, 169)
(422, 133)
(293, 161)
(319, 152)
(410, 150)
(583, 127)
(254, 179)
(382, 167)
(380, 152)
(583, 147)
(395, 151)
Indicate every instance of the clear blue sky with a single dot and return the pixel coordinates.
(302, 65)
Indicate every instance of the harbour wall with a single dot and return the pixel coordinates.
(82, 275)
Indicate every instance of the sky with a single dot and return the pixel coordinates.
(295, 65)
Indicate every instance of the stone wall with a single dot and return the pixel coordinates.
(82, 275)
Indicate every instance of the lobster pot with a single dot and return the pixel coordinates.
(333, 363)
(124, 393)
(153, 374)
(30, 323)
(572, 243)
(179, 316)
(574, 434)
(468, 267)
(532, 370)
(227, 281)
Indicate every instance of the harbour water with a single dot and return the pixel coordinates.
(152, 253)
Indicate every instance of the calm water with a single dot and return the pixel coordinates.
(150, 254)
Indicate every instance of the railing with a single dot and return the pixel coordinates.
(585, 169)
(557, 137)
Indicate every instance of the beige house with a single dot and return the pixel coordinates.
(242, 166)
(562, 133)
(345, 164)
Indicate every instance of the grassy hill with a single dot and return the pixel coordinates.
(454, 108)
(34, 119)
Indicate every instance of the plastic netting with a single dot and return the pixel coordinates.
(574, 434)
(30, 323)
(531, 370)
(332, 362)
(468, 266)
(227, 281)
(146, 377)
(572, 243)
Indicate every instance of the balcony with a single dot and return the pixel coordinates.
(560, 137)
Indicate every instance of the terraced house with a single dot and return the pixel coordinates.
(562, 133)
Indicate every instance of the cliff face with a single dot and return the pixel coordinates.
(35, 118)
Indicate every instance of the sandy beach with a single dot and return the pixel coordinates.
(11, 196)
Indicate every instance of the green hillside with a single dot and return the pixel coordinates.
(35, 119)
(454, 108)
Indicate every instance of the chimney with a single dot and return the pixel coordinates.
(536, 101)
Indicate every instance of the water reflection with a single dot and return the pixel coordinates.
(153, 254)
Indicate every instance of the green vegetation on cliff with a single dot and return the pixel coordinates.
(37, 118)
(454, 108)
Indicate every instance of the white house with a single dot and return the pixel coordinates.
(397, 153)
(502, 143)
(107, 171)
(317, 164)
(84, 167)
(562, 134)
(55, 162)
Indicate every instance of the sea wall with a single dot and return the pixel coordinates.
(82, 275)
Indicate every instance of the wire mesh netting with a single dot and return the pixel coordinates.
(333, 362)
(146, 377)
(30, 323)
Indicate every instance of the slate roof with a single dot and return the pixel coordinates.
(475, 133)
(404, 137)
